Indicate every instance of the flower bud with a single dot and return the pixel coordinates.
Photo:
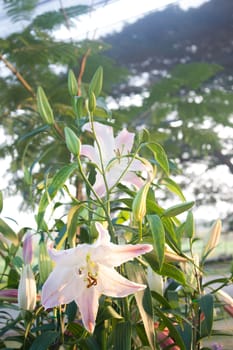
(97, 82)
(28, 249)
(72, 141)
(91, 101)
(45, 263)
(27, 289)
(139, 203)
(213, 238)
(44, 107)
(72, 83)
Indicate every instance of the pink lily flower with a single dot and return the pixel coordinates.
(114, 152)
(87, 271)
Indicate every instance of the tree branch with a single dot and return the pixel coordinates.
(82, 69)
(18, 75)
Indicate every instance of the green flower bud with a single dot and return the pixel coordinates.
(72, 83)
(79, 106)
(97, 82)
(44, 107)
(91, 101)
(45, 263)
(72, 141)
(139, 203)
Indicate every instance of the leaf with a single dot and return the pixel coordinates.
(56, 184)
(34, 132)
(160, 155)
(189, 225)
(173, 187)
(185, 331)
(206, 303)
(43, 341)
(144, 301)
(158, 234)
(172, 329)
(1, 201)
(122, 336)
(178, 209)
(76, 329)
(8, 233)
(168, 270)
(72, 220)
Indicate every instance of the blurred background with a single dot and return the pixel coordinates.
(168, 67)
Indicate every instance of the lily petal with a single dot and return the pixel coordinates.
(115, 255)
(88, 303)
(60, 287)
(90, 152)
(111, 283)
(105, 138)
(124, 141)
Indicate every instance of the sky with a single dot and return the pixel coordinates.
(109, 18)
(114, 15)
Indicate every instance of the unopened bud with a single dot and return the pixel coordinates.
(72, 83)
(171, 256)
(139, 203)
(72, 141)
(91, 101)
(45, 262)
(214, 237)
(28, 249)
(97, 82)
(44, 107)
(27, 289)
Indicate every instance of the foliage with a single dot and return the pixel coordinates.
(35, 57)
(179, 315)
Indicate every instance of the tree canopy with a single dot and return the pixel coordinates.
(186, 96)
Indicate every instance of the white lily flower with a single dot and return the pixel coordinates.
(87, 271)
(114, 152)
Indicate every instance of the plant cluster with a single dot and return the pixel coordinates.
(110, 270)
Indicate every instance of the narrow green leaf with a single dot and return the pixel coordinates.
(122, 336)
(173, 187)
(76, 329)
(160, 156)
(43, 341)
(185, 331)
(97, 82)
(168, 270)
(72, 222)
(158, 234)
(56, 184)
(178, 209)
(190, 225)
(143, 298)
(44, 107)
(8, 233)
(1, 201)
(172, 330)
(206, 303)
(33, 132)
